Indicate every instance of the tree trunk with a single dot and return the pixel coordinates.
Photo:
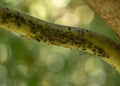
(109, 10)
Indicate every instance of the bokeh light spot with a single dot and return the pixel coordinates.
(21, 83)
(3, 75)
(55, 63)
(89, 65)
(38, 10)
(79, 78)
(85, 14)
(23, 69)
(60, 3)
(68, 19)
(4, 53)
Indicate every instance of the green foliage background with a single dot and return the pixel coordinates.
(26, 62)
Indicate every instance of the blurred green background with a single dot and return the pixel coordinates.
(26, 62)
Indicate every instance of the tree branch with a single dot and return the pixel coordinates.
(71, 37)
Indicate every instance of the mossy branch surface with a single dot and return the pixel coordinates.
(66, 36)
